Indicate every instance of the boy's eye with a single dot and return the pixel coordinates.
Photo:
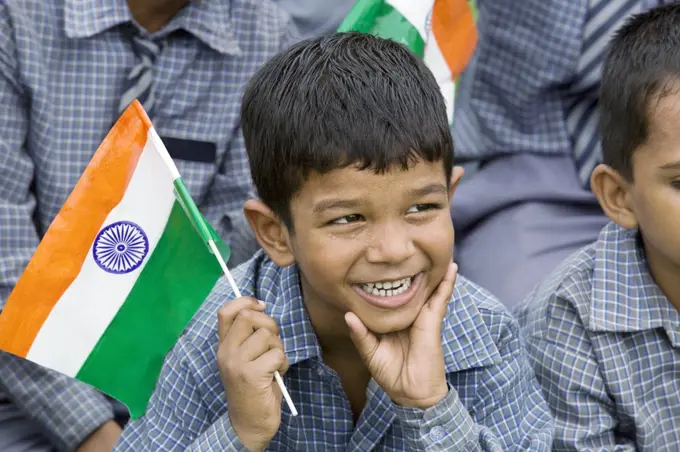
(348, 219)
(676, 184)
(423, 208)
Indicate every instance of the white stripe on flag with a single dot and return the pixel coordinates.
(434, 59)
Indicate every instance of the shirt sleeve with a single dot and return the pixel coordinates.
(176, 417)
(566, 366)
(68, 411)
(509, 414)
(19, 237)
(446, 426)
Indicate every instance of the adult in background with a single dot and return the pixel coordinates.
(67, 70)
(526, 116)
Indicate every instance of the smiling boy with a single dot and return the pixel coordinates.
(352, 157)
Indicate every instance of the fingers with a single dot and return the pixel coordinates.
(442, 295)
(246, 323)
(247, 334)
(365, 341)
(259, 343)
(271, 361)
(227, 313)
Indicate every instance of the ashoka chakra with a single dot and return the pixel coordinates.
(120, 247)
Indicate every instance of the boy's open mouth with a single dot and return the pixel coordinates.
(390, 294)
(388, 288)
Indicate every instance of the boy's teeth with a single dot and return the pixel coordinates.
(388, 288)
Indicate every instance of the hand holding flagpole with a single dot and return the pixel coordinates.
(237, 293)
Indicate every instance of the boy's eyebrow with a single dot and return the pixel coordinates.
(428, 190)
(335, 203)
(351, 203)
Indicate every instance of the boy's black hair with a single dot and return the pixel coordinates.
(335, 101)
(641, 67)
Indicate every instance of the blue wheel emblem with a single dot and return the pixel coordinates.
(120, 247)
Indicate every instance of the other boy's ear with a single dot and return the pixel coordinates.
(612, 191)
(271, 233)
(456, 175)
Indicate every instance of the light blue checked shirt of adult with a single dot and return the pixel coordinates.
(494, 402)
(605, 345)
(533, 83)
(62, 69)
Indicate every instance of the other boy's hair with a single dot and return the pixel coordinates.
(336, 101)
(642, 66)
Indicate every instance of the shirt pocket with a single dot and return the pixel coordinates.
(196, 162)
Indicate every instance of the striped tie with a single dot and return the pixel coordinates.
(583, 119)
(139, 83)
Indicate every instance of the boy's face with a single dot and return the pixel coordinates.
(373, 244)
(655, 192)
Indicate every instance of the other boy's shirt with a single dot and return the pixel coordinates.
(494, 402)
(605, 344)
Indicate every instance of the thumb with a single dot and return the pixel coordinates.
(365, 341)
(434, 310)
(440, 299)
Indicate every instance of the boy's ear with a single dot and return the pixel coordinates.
(456, 175)
(271, 233)
(612, 191)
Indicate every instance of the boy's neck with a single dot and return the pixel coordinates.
(329, 325)
(155, 14)
(332, 334)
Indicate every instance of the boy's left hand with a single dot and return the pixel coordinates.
(409, 364)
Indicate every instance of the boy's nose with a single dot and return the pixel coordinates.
(390, 244)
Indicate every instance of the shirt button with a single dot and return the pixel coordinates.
(437, 434)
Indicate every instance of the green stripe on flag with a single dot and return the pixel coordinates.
(377, 17)
(178, 276)
(200, 224)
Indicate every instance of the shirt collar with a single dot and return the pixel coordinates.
(86, 18)
(288, 309)
(625, 298)
(208, 20)
(466, 340)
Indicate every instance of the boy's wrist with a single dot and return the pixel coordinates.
(424, 403)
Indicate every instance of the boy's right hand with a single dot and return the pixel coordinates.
(250, 351)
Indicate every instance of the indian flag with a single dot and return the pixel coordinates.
(119, 273)
(441, 32)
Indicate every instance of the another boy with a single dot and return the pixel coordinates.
(604, 331)
(351, 154)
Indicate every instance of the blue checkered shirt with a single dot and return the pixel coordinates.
(605, 345)
(494, 403)
(62, 69)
